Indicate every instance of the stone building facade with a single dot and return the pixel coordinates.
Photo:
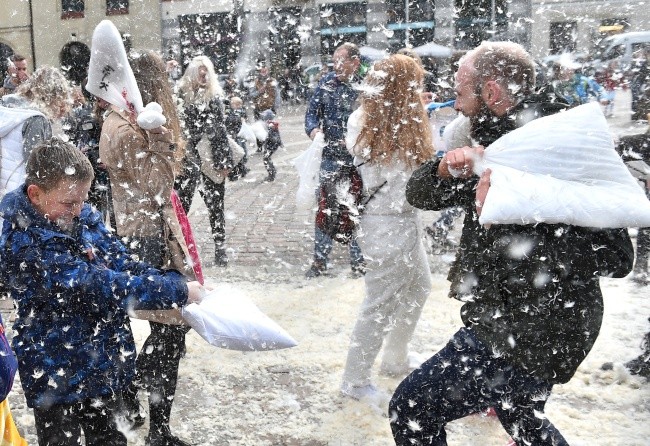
(237, 34)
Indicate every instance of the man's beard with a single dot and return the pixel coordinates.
(486, 127)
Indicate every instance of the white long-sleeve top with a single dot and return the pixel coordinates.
(391, 197)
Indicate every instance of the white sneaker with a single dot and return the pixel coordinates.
(368, 394)
(395, 370)
(414, 360)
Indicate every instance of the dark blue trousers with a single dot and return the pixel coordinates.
(465, 378)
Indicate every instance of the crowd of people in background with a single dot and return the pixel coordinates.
(395, 169)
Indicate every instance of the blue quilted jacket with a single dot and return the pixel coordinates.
(329, 108)
(72, 335)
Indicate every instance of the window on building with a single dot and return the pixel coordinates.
(72, 9)
(563, 37)
(411, 22)
(480, 20)
(342, 22)
(284, 38)
(117, 7)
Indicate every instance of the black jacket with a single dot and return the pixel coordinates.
(208, 120)
(635, 147)
(532, 292)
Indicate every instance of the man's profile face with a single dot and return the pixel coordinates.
(344, 66)
(18, 72)
(468, 102)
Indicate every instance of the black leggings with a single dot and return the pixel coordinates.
(213, 195)
(157, 369)
(61, 425)
(158, 361)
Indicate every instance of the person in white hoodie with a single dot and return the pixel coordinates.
(26, 118)
(390, 137)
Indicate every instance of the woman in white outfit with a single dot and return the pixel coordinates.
(389, 135)
(26, 119)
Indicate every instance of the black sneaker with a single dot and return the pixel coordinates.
(130, 407)
(164, 438)
(316, 269)
(220, 258)
(639, 367)
(136, 421)
(358, 269)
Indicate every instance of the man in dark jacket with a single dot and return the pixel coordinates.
(635, 151)
(330, 106)
(533, 305)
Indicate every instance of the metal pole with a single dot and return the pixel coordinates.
(493, 17)
(31, 34)
(407, 19)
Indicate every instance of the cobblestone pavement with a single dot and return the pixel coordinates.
(264, 230)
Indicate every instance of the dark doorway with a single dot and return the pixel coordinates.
(74, 59)
(563, 37)
(5, 53)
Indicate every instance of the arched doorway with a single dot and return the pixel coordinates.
(74, 59)
(5, 53)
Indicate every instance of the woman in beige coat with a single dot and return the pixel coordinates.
(142, 166)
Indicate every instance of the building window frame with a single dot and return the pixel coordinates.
(117, 7)
(410, 19)
(72, 9)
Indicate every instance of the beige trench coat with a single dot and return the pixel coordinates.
(141, 168)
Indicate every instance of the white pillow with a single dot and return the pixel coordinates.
(227, 318)
(308, 166)
(562, 169)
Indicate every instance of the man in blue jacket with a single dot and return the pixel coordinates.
(576, 88)
(330, 106)
(73, 283)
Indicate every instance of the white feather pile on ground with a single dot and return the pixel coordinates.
(291, 397)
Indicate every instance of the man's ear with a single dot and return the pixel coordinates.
(35, 194)
(491, 93)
